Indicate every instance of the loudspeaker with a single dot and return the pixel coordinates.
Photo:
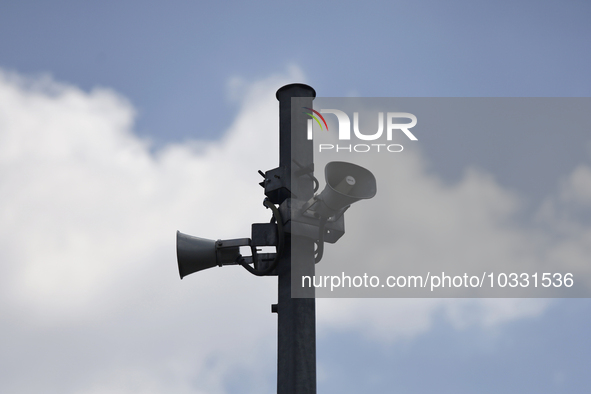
(345, 184)
(194, 254)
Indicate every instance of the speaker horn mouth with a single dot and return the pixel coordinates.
(345, 184)
(194, 254)
(350, 180)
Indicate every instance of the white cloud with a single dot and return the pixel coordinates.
(89, 282)
(90, 299)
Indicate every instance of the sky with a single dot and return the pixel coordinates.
(122, 122)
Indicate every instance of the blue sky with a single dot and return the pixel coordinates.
(173, 60)
(119, 118)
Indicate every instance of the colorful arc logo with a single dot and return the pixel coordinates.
(315, 118)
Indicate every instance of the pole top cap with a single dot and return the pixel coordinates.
(295, 90)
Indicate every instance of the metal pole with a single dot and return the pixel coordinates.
(296, 326)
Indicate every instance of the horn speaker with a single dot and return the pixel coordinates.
(346, 183)
(196, 254)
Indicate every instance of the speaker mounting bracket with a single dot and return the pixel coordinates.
(277, 185)
(302, 223)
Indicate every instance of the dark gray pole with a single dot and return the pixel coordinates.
(296, 345)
